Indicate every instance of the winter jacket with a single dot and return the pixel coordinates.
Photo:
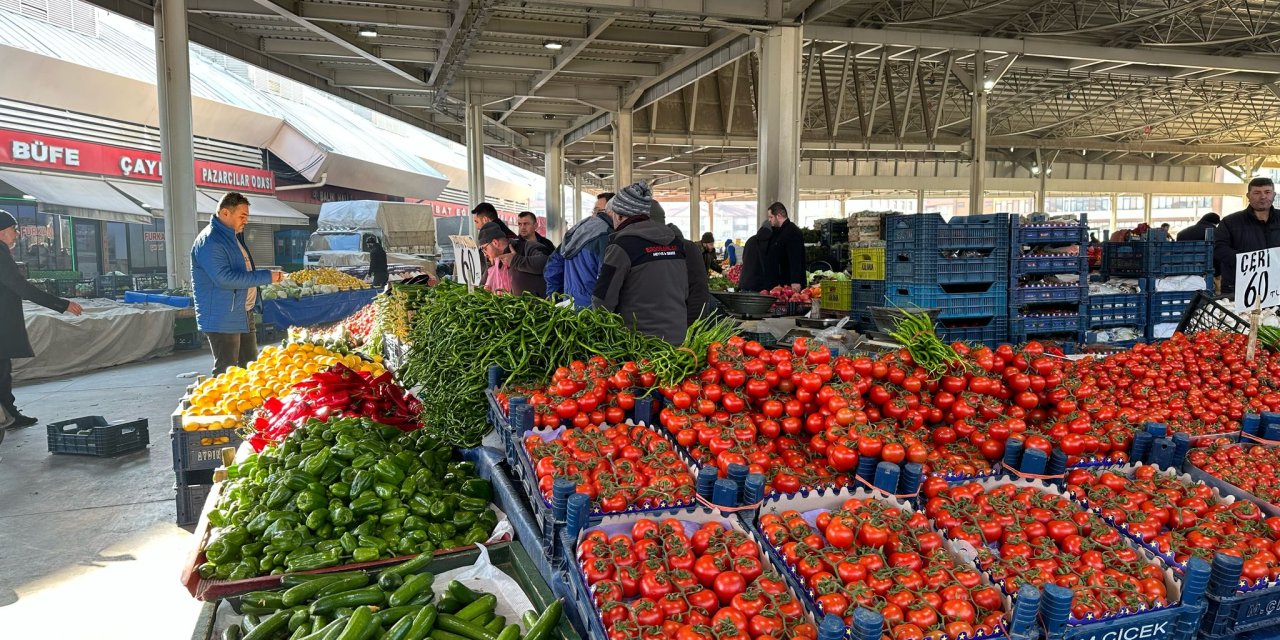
(1196, 232)
(527, 268)
(13, 290)
(542, 240)
(644, 278)
(752, 277)
(574, 267)
(710, 262)
(378, 266)
(220, 279)
(784, 258)
(1241, 232)
(731, 252)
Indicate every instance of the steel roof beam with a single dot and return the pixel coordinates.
(753, 10)
(382, 16)
(595, 28)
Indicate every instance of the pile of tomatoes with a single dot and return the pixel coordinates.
(618, 467)
(672, 579)
(868, 553)
(1025, 535)
(1180, 520)
(594, 392)
(1254, 468)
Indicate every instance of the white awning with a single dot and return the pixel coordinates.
(80, 197)
(152, 197)
(267, 210)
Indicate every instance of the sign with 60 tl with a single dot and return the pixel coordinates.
(1257, 279)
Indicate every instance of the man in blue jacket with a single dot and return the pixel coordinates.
(575, 265)
(226, 285)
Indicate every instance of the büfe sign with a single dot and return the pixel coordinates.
(1257, 279)
(19, 148)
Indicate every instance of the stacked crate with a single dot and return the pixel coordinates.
(958, 267)
(1108, 312)
(1044, 310)
(1151, 261)
(866, 265)
(197, 443)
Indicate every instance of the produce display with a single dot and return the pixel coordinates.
(871, 553)
(341, 491)
(457, 335)
(272, 375)
(394, 309)
(1027, 535)
(592, 392)
(397, 603)
(618, 467)
(678, 579)
(337, 391)
(311, 282)
(1253, 468)
(1181, 519)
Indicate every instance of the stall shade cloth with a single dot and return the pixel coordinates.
(152, 197)
(89, 198)
(315, 310)
(107, 334)
(266, 210)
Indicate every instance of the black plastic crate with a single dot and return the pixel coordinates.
(188, 341)
(199, 450)
(1205, 313)
(190, 493)
(94, 436)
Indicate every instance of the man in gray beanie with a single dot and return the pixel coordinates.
(643, 276)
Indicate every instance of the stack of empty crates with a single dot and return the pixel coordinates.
(959, 268)
(866, 265)
(1152, 263)
(197, 443)
(1048, 287)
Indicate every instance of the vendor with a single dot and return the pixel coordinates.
(1254, 229)
(709, 259)
(377, 263)
(784, 256)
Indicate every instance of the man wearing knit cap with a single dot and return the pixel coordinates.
(13, 329)
(643, 276)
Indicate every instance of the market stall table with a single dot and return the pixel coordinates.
(107, 334)
(310, 311)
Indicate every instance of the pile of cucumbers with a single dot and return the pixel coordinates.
(398, 605)
(341, 491)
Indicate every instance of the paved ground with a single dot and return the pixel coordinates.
(88, 546)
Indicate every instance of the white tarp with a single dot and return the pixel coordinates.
(403, 225)
(109, 333)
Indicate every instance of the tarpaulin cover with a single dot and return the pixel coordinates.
(315, 310)
(109, 333)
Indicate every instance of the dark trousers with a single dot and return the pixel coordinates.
(233, 349)
(6, 385)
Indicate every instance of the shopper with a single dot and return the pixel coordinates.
(731, 252)
(1167, 234)
(377, 263)
(484, 213)
(643, 276)
(527, 261)
(1200, 230)
(784, 257)
(527, 229)
(226, 284)
(752, 277)
(495, 245)
(710, 261)
(13, 329)
(1253, 229)
(698, 302)
(575, 266)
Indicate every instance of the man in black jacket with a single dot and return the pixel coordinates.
(377, 263)
(753, 277)
(13, 328)
(527, 228)
(1198, 231)
(1254, 229)
(784, 258)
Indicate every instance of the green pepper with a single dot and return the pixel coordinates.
(316, 518)
(440, 510)
(384, 490)
(474, 535)
(258, 524)
(348, 542)
(463, 467)
(394, 516)
(488, 519)
(365, 505)
(220, 551)
(418, 536)
(372, 541)
(344, 450)
(318, 560)
(324, 531)
(464, 519)
(364, 461)
(317, 462)
(414, 522)
(362, 482)
(308, 501)
(327, 545)
(253, 549)
(366, 528)
(365, 554)
(473, 504)
(408, 487)
(279, 497)
(208, 570)
(242, 571)
(388, 472)
(435, 532)
(341, 516)
(287, 540)
(420, 505)
(218, 517)
(297, 480)
(477, 488)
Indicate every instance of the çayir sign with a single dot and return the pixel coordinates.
(36, 151)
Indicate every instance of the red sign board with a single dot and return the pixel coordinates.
(19, 148)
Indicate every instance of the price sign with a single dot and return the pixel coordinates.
(467, 255)
(1257, 279)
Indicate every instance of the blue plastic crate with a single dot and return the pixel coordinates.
(1169, 306)
(868, 293)
(1117, 310)
(959, 301)
(1029, 232)
(1056, 294)
(930, 231)
(1046, 264)
(929, 266)
(1156, 259)
(1033, 324)
(992, 332)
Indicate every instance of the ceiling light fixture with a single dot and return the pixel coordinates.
(553, 45)
(27, 196)
(367, 31)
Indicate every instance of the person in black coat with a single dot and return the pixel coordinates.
(1254, 229)
(377, 263)
(784, 259)
(1198, 231)
(752, 277)
(13, 328)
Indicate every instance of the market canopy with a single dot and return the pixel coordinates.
(81, 197)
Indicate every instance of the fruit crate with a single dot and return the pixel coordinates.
(1047, 264)
(94, 436)
(201, 449)
(1034, 232)
(190, 492)
(866, 263)
(1048, 294)
(867, 293)
(952, 301)
(929, 232)
(1164, 307)
(1156, 259)
(1205, 313)
(837, 295)
(923, 266)
(1117, 310)
(990, 331)
(1034, 324)
(188, 341)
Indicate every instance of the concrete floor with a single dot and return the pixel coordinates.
(88, 546)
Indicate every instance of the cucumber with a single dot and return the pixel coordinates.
(356, 598)
(390, 581)
(413, 565)
(296, 595)
(450, 604)
(482, 605)
(422, 623)
(391, 615)
(399, 630)
(300, 633)
(546, 623)
(495, 625)
(440, 634)
(275, 624)
(359, 626)
(466, 629)
(511, 632)
(413, 587)
(354, 581)
(261, 601)
(528, 619)
(232, 632)
(250, 622)
(295, 579)
(299, 619)
(425, 598)
(462, 592)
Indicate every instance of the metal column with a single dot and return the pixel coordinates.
(177, 155)
(1042, 193)
(695, 207)
(711, 216)
(622, 164)
(475, 153)
(1115, 213)
(978, 136)
(1146, 208)
(577, 200)
(554, 173)
(920, 201)
(843, 215)
(778, 143)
